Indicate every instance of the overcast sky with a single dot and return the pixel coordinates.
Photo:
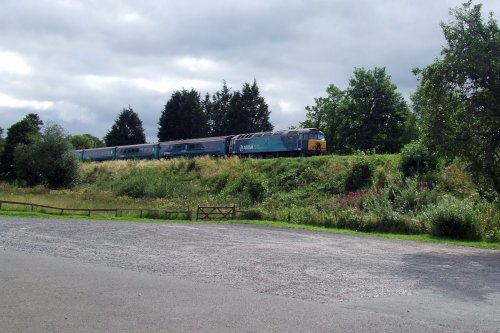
(79, 63)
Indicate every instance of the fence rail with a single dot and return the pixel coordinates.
(87, 211)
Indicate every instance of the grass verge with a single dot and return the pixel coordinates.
(276, 224)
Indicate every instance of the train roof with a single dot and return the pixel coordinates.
(198, 140)
(277, 133)
(138, 145)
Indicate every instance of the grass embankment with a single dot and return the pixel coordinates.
(361, 193)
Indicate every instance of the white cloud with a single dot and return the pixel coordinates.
(11, 102)
(11, 62)
(197, 64)
(131, 17)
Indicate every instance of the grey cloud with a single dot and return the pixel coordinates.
(96, 57)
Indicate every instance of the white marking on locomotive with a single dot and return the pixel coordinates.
(244, 147)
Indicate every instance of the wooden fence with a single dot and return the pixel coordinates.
(87, 211)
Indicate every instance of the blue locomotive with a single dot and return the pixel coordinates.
(300, 142)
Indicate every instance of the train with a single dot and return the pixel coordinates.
(286, 143)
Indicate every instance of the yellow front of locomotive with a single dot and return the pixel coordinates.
(316, 143)
(317, 146)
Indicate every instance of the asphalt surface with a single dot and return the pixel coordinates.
(84, 276)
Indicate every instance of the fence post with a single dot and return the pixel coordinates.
(31, 207)
(88, 212)
(0, 204)
(234, 212)
(61, 210)
(116, 212)
(197, 212)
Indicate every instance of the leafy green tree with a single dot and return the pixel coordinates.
(127, 130)
(85, 141)
(376, 114)
(182, 117)
(369, 115)
(49, 159)
(458, 98)
(22, 132)
(326, 115)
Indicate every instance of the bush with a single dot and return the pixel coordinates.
(455, 219)
(251, 214)
(354, 220)
(309, 216)
(412, 196)
(218, 183)
(359, 176)
(335, 184)
(416, 159)
(151, 183)
(394, 222)
(48, 160)
(386, 218)
(456, 179)
(250, 187)
(489, 214)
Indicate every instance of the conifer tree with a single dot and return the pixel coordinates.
(182, 117)
(127, 130)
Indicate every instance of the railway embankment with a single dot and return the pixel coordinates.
(373, 193)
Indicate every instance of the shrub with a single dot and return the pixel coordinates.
(489, 214)
(218, 183)
(350, 219)
(416, 159)
(387, 219)
(151, 183)
(335, 184)
(308, 216)
(394, 222)
(49, 159)
(456, 179)
(412, 196)
(352, 200)
(359, 176)
(455, 219)
(251, 214)
(287, 180)
(133, 185)
(250, 187)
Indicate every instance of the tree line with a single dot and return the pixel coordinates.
(186, 115)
